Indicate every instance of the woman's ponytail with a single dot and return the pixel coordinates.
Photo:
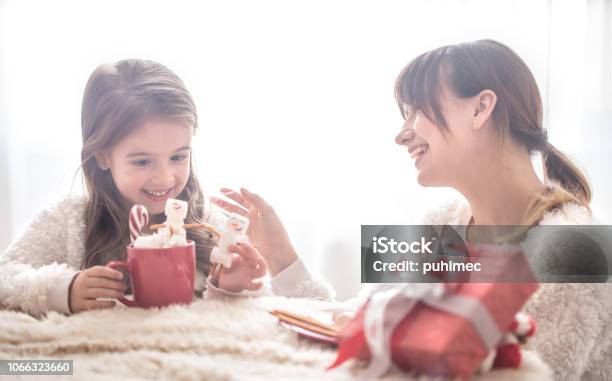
(565, 183)
(559, 168)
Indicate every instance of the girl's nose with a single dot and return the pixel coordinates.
(163, 175)
(405, 135)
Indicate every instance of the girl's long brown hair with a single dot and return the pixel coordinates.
(472, 67)
(118, 99)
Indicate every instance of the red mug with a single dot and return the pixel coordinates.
(159, 277)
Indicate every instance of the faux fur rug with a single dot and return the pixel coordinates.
(234, 339)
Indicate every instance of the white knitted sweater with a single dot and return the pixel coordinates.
(37, 268)
(574, 320)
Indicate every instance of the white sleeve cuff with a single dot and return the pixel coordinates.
(57, 293)
(285, 282)
(213, 292)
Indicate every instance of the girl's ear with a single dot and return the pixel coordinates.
(485, 104)
(102, 160)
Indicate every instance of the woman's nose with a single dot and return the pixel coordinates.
(405, 135)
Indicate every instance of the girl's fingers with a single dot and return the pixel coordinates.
(253, 257)
(236, 259)
(257, 201)
(260, 271)
(105, 272)
(94, 293)
(99, 304)
(97, 282)
(229, 206)
(234, 248)
(235, 196)
(254, 286)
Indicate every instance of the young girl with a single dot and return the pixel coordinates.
(473, 118)
(137, 123)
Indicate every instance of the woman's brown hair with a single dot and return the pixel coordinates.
(472, 67)
(118, 99)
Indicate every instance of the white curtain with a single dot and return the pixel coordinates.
(295, 99)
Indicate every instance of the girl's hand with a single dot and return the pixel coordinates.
(266, 231)
(247, 265)
(96, 282)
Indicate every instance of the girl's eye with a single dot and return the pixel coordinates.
(141, 163)
(178, 157)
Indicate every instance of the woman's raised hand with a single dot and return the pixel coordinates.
(266, 231)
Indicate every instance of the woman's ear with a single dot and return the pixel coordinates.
(102, 160)
(484, 106)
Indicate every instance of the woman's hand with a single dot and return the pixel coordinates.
(95, 282)
(247, 265)
(266, 231)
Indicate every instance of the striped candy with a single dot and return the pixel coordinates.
(139, 218)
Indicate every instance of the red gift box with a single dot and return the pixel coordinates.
(433, 340)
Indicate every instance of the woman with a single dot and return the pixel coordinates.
(473, 118)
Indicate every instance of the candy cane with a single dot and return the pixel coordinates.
(139, 218)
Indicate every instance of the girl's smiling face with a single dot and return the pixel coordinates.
(151, 164)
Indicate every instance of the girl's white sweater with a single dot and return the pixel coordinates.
(37, 268)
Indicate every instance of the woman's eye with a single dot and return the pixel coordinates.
(409, 111)
(178, 157)
(141, 163)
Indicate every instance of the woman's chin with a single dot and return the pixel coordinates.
(425, 179)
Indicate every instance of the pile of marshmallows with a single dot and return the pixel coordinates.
(173, 233)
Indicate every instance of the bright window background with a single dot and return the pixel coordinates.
(295, 99)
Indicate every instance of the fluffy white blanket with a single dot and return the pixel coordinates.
(234, 339)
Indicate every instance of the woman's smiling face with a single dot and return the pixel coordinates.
(152, 164)
(441, 155)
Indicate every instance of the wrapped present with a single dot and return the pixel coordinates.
(508, 352)
(437, 329)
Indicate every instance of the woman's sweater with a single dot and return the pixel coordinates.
(36, 270)
(574, 319)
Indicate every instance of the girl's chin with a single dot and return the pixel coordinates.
(152, 210)
(154, 207)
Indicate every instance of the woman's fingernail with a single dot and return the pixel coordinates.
(225, 190)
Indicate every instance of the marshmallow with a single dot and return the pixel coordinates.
(149, 242)
(235, 231)
(173, 234)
